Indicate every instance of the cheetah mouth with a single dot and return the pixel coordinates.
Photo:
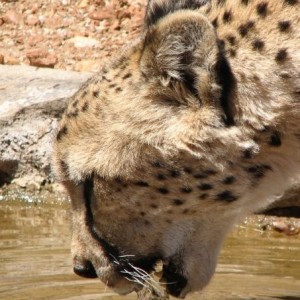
(137, 270)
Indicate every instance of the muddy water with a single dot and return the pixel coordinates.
(35, 261)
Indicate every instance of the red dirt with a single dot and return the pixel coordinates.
(67, 34)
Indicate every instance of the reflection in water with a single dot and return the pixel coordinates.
(35, 262)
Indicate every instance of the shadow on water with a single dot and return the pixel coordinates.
(35, 261)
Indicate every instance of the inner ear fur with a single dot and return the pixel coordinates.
(182, 48)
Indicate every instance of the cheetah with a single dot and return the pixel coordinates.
(195, 126)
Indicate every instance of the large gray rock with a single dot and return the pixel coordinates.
(31, 102)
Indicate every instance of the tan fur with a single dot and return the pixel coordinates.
(170, 176)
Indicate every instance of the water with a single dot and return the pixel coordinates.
(35, 261)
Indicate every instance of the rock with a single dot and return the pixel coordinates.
(83, 3)
(10, 60)
(31, 102)
(88, 65)
(116, 25)
(285, 227)
(101, 14)
(35, 7)
(11, 17)
(32, 20)
(35, 39)
(41, 58)
(83, 42)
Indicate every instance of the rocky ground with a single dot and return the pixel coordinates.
(73, 35)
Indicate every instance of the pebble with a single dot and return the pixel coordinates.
(88, 65)
(101, 15)
(11, 17)
(83, 42)
(10, 60)
(41, 58)
(285, 227)
(32, 20)
(35, 39)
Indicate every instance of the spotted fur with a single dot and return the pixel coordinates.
(191, 129)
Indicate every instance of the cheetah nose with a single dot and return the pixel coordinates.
(84, 269)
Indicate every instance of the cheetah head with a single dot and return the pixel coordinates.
(141, 152)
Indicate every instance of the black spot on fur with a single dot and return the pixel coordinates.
(161, 176)
(178, 201)
(291, 2)
(245, 28)
(203, 196)
(205, 186)
(157, 164)
(146, 222)
(245, 2)
(200, 175)
(258, 171)
(227, 16)
(75, 103)
(221, 2)
(188, 170)
(281, 55)
(112, 85)
(153, 205)
(186, 189)
(106, 79)
(284, 25)
(163, 191)
(226, 196)
(215, 22)
(232, 52)
(231, 39)
(128, 75)
(262, 9)
(85, 106)
(248, 153)
(96, 94)
(64, 166)
(174, 173)
(118, 89)
(63, 131)
(73, 114)
(84, 93)
(142, 183)
(275, 139)
(204, 174)
(229, 180)
(258, 44)
(142, 213)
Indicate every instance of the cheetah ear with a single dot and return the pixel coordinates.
(180, 47)
(157, 9)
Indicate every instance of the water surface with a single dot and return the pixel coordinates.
(35, 261)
